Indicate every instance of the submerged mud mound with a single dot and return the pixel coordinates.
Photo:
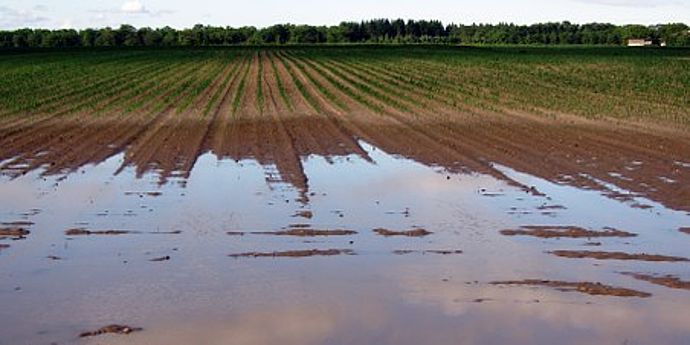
(440, 252)
(665, 280)
(584, 254)
(308, 232)
(295, 253)
(409, 233)
(14, 232)
(111, 329)
(564, 231)
(84, 232)
(596, 289)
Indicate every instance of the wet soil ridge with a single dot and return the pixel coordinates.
(84, 232)
(419, 232)
(600, 255)
(423, 252)
(669, 281)
(331, 103)
(596, 289)
(685, 230)
(549, 231)
(295, 253)
(111, 329)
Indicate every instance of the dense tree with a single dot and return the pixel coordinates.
(371, 31)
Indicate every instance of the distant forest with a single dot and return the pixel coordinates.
(378, 31)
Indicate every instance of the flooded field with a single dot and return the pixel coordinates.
(365, 247)
(305, 196)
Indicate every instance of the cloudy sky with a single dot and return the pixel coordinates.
(184, 13)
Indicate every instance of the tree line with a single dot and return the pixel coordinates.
(380, 31)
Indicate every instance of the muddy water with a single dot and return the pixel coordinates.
(160, 257)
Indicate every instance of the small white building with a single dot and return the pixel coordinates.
(640, 42)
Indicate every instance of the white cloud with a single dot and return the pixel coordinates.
(632, 3)
(133, 6)
(13, 18)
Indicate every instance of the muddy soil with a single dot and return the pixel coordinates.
(685, 230)
(564, 149)
(565, 231)
(575, 254)
(596, 289)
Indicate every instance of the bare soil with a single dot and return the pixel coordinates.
(565, 231)
(685, 230)
(575, 254)
(597, 289)
(563, 149)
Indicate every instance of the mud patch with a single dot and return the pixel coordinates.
(409, 233)
(565, 231)
(304, 214)
(308, 232)
(596, 289)
(667, 280)
(84, 232)
(4, 246)
(13, 232)
(21, 223)
(685, 230)
(440, 252)
(295, 253)
(584, 254)
(111, 329)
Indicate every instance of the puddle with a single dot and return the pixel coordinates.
(379, 249)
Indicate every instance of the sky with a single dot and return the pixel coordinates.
(78, 14)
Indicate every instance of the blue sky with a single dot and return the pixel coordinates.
(184, 13)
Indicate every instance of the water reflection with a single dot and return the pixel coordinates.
(201, 295)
